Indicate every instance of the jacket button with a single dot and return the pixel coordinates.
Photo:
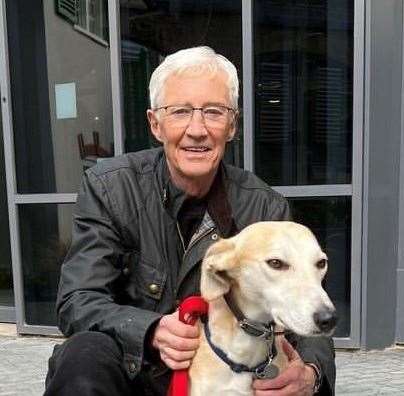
(126, 271)
(214, 236)
(153, 288)
(132, 367)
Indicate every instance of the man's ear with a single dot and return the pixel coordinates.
(154, 125)
(220, 258)
(233, 127)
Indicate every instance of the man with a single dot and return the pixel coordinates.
(142, 224)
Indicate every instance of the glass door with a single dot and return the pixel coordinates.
(303, 122)
(152, 30)
(299, 131)
(7, 313)
(60, 124)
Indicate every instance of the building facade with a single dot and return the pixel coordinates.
(321, 121)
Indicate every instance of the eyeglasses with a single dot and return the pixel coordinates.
(213, 115)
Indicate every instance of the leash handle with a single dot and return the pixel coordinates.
(189, 311)
(192, 308)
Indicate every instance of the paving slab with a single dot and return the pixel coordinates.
(23, 367)
(370, 373)
(23, 364)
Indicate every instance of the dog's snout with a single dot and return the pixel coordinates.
(325, 319)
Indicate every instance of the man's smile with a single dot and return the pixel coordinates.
(196, 149)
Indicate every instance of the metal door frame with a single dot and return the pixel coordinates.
(354, 190)
(14, 199)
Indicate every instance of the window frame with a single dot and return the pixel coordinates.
(354, 189)
(85, 27)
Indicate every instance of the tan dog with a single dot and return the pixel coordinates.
(272, 272)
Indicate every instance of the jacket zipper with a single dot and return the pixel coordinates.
(198, 238)
(181, 238)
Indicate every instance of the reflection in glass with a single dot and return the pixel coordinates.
(303, 91)
(330, 220)
(152, 30)
(6, 278)
(47, 54)
(93, 17)
(45, 237)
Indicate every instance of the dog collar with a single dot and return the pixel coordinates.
(237, 367)
(251, 327)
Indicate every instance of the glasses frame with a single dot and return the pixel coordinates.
(229, 109)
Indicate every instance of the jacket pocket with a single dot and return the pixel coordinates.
(146, 282)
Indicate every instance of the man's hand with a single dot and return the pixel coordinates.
(297, 380)
(177, 342)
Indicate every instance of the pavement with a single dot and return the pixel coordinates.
(23, 366)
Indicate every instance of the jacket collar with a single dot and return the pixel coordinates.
(218, 205)
(174, 197)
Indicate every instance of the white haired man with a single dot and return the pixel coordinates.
(142, 224)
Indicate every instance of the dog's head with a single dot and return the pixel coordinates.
(274, 270)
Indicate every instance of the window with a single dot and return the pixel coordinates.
(45, 234)
(62, 103)
(92, 16)
(152, 30)
(304, 90)
(303, 74)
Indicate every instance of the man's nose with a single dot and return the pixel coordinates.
(196, 127)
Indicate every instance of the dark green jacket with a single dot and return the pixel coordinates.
(122, 271)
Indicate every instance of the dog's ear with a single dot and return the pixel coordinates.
(215, 279)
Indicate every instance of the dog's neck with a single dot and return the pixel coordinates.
(239, 346)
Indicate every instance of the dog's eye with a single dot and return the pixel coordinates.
(277, 264)
(321, 264)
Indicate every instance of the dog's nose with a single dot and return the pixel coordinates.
(325, 319)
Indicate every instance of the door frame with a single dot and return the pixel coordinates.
(353, 190)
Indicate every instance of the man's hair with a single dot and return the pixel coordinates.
(195, 61)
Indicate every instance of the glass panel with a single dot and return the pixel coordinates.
(6, 277)
(45, 236)
(82, 14)
(93, 16)
(330, 220)
(303, 91)
(62, 111)
(152, 30)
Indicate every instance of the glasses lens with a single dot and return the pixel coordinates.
(178, 111)
(212, 115)
(178, 115)
(214, 112)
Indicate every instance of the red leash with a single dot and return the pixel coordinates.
(194, 306)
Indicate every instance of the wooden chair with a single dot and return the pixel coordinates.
(89, 153)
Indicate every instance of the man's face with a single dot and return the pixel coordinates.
(194, 150)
